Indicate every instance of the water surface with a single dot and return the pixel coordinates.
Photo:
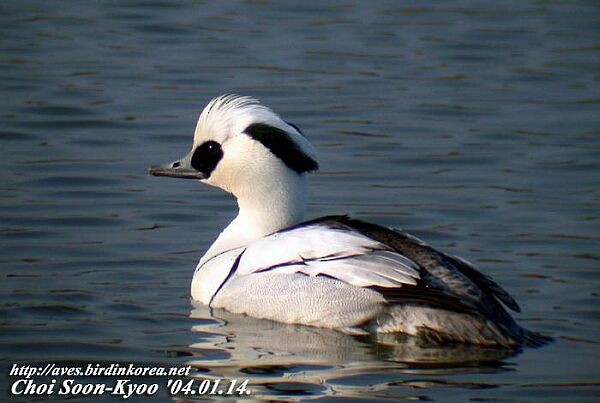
(475, 127)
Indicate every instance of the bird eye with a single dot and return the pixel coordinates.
(212, 147)
(206, 157)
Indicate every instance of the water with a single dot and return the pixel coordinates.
(473, 126)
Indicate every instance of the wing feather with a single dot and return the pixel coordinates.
(340, 253)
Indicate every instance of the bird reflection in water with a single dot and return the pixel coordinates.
(237, 346)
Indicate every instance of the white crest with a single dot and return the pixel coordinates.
(228, 115)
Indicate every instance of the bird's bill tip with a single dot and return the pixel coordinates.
(172, 171)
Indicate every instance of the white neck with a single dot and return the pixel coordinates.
(264, 207)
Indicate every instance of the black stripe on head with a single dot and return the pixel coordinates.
(282, 146)
(295, 127)
(206, 157)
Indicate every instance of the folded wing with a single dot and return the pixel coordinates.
(337, 252)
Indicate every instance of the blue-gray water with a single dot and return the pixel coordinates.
(474, 126)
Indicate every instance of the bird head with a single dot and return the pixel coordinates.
(239, 142)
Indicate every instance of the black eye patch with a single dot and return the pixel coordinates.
(206, 157)
(282, 146)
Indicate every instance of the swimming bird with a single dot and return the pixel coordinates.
(334, 271)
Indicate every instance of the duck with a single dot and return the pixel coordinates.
(335, 271)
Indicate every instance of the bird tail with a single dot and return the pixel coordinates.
(534, 339)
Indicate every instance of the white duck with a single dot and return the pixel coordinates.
(332, 272)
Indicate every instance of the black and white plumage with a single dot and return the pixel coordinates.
(334, 271)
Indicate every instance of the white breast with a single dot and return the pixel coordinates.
(211, 274)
